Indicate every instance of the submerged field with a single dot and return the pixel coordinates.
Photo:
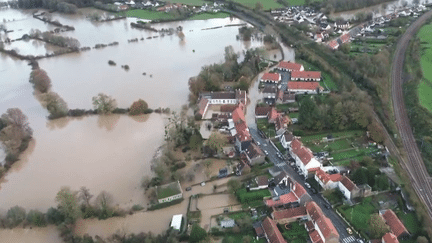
(425, 86)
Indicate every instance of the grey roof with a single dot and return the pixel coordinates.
(227, 223)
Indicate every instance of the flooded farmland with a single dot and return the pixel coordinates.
(112, 152)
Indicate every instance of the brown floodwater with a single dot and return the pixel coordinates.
(113, 152)
(36, 235)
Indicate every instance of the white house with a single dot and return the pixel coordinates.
(220, 98)
(303, 156)
(348, 188)
(169, 192)
(290, 66)
(299, 87)
(286, 139)
(271, 78)
(177, 221)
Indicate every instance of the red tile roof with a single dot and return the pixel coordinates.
(333, 44)
(348, 184)
(390, 238)
(271, 76)
(290, 66)
(273, 114)
(324, 224)
(345, 38)
(292, 85)
(396, 226)
(238, 115)
(289, 213)
(315, 236)
(284, 199)
(310, 226)
(296, 145)
(305, 74)
(325, 178)
(305, 155)
(272, 231)
(259, 231)
(203, 103)
(242, 132)
(299, 190)
(228, 108)
(262, 111)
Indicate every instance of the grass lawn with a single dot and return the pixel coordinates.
(295, 233)
(293, 115)
(317, 137)
(425, 87)
(410, 221)
(336, 145)
(267, 4)
(237, 215)
(353, 153)
(326, 78)
(359, 215)
(189, 2)
(239, 238)
(267, 128)
(285, 107)
(148, 14)
(252, 196)
(168, 190)
(280, 147)
(204, 16)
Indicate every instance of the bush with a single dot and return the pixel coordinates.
(112, 63)
(198, 117)
(40, 80)
(104, 104)
(197, 234)
(137, 207)
(36, 218)
(15, 216)
(298, 133)
(11, 158)
(54, 216)
(138, 107)
(56, 106)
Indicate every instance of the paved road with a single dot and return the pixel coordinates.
(272, 154)
(416, 169)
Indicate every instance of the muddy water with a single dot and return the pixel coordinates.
(36, 235)
(109, 153)
(377, 10)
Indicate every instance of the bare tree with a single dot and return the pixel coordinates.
(84, 195)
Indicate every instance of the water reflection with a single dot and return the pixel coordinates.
(108, 122)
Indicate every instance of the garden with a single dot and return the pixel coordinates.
(267, 128)
(326, 82)
(294, 233)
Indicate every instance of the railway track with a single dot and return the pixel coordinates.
(414, 165)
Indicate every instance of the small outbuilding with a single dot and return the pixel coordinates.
(177, 221)
(227, 223)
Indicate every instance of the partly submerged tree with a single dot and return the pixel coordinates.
(104, 104)
(67, 201)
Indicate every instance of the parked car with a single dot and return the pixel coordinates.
(349, 231)
(258, 143)
(266, 153)
(307, 185)
(327, 206)
(314, 191)
(188, 188)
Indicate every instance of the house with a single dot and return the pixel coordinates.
(303, 156)
(334, 45)
(288, 192)
(242, 137)
(262, 112)
(348, 188)
(327, 181)
(396, 226)
(342, 24)
(289, 215)
(228, 109)
(323, 229)
(269, 92)
(389, 238)
(254, 154)
(304, 87)
(220, 98)
(273, 114)
(176, 221)
(169, 192)
(227, 223)
(285, 97)
(318, 37)
(271, 78)
(306, 76)
(290, 66)
(271, 231)
(281, 124)
(262, 182)
(286, 139)
(345, 38)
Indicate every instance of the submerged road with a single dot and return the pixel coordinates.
(414, 164)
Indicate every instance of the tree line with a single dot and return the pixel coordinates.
(347, 110)
(63, 6)
(212, 77)
(72, 205)
(62, 41)
(344, 5)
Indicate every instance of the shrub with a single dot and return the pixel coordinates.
(138, 107)
(36, 218)
(137, 207)
(40, 80)
(197, 234)
(298, 133)
(16, 215)
(56, 106)
(76, 112)
(112, 63)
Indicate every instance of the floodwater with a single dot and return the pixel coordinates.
(113, 152)
(36, 235)
(378, 10)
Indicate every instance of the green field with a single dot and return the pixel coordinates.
(148, 14)
(204, 16)
(326, 78)
(267, 4)
(307, 139)
(425, 87)
(359, 215)
(267, 128)
(189, 2)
